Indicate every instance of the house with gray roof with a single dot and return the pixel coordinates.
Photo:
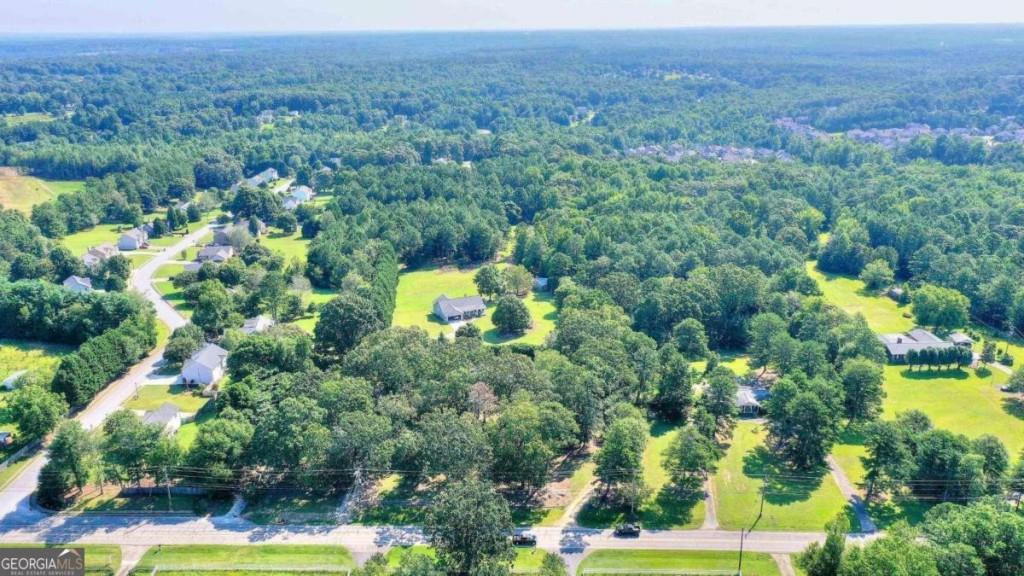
(133, 239)
(750, 399)
(898, 345)
(297, 197)
(257, 324)
(459, 309)
(78, 284)
(215, 253)
(97, 255)
(206, 366)
(167, 417)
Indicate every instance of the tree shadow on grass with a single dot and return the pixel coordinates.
(781, 483)
(926, 374)
(1014, 407)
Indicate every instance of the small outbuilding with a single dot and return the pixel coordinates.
(749, 400)
(257, 324)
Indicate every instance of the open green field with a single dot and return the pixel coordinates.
(188, 432)
(23, 192)
(793, 500)
(527, 559)
(152, 396)
(883, 314)
(665, 508)
(82, 240)
(417, 290)
(169, 270)
(290, 246)
(266, 558)
(26, 118)
(620, 561)
(958, 400)
(99, 558)
(37, 357)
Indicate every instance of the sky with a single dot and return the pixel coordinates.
(102, 17)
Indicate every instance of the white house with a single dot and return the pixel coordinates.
(78, 284)
(205, 366)
(297, 197)
(133, 239)
(458, 309)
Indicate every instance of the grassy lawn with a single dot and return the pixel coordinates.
(99, 558)
(174, 297)
(573, 476)
(112, 501)
(38, 357)
(279, 508)
(290, 246)
(82, 240)
(616, 561)
(958, 400)
(316, 296)
(169, 270)
(17, 119)
(665, 508)
(803, 501)
(265, 558)
(417, 290)
(527, 559)
(23, 192)
(186, 435)
(883, 314)
(152, 396)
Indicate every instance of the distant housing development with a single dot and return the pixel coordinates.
(897, 346)
(456, 309)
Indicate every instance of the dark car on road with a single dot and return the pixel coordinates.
(524, 539)
(627, 530)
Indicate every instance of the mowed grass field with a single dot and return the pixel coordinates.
(417, 290)
(665, 508)
(802, 501)
(527, 559)
(958, 400)
(621, 561)
(883, 314)
(152, 396)
(23, 192)
(267, 558)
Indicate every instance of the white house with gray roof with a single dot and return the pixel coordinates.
(167, 417)
(133, 240)
(78, 284)
(206, 366)
(97, 255)
(458, 309)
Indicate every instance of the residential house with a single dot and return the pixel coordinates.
(206, 366)
(257, 324)
(221, 236)
(192, 266)
(133, 239)
(167, 417)
(898, 294)
(99, 254)
(298, 196)
(244, 224)
(78, 284)
(898, 345)
(265, 177)
(457, 309)
(216, 254)
(6, 438)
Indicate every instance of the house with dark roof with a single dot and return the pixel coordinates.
(459, 309)
(898, 345)
(78, 284)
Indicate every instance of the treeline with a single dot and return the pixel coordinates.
(41, 311)
(101, 359)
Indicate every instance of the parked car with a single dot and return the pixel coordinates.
(524, 539)
(627, 530)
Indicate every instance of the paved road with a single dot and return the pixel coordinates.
(14, 498)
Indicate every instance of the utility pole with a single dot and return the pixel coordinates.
(167, 482)
(743, 533)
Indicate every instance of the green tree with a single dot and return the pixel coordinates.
(511, 316)
(184, 342)
(620, 459)
(690, 338)
(877, 275)
(468, 523)
(343, 323)
(690, 457)
(940, 307)
(517, 279)
(825, 560)
(35, 410)
(489, 281)
(70, 453)
(213, 307)
(862, 383)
